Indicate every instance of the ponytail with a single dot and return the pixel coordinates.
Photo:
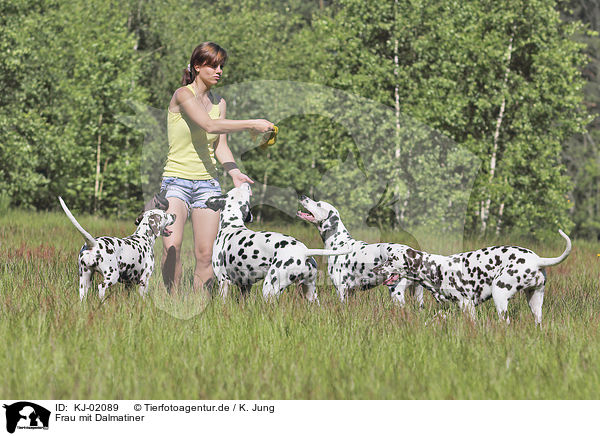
(188, 75)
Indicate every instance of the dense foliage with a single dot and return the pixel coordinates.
(420, 114)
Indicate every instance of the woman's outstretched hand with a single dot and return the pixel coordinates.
(238, 178)
(262, 126)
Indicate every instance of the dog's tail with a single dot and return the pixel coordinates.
(89, 239)
(550, 261)
(323, 252)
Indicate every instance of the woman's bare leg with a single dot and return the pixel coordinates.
(205, 223)
(171, 259)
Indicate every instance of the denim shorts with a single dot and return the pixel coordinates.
(193, 192)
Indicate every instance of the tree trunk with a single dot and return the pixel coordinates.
(98, 150)
(398, 215)
(485, 207)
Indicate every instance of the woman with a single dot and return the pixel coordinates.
(197, 132)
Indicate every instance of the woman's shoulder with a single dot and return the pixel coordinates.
(183, 92)
(179, 96)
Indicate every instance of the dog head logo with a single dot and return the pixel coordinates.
(26, 415)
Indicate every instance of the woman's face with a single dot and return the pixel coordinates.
(208, 74)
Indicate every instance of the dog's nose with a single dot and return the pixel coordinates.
(301, 196)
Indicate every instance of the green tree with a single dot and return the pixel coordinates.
(69, 69)
(582, 155)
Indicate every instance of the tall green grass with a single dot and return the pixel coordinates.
(175, 347)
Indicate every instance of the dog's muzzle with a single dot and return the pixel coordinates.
(165, 231)
(307, 216)
(392, 279)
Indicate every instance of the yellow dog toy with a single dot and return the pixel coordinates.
(268, 138)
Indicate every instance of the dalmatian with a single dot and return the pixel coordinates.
(473, 277)
(129, 260)
(355, 270)
(242, 256)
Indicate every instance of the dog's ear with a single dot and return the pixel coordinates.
(413, 259)
(139, 219)
(216, 203)
(160, 201)
(246, 213)
(154, 224)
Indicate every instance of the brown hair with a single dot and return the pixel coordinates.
(207, 53)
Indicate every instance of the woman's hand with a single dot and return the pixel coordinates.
(262, 126)
(238, 178)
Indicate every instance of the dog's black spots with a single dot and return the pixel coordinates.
(521, 260)
(298, 262)
(240, 252)
(278, 264)
(288, 262)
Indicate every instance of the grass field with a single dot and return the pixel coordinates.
(165, 347)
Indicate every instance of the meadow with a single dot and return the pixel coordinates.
(178, 347)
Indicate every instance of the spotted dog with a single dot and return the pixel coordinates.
(355, 270)
(473, 277)
(242, 256)
(129, 260)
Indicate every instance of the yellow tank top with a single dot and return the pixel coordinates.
(191, 148)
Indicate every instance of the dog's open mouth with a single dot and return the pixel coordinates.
(392, 279)
(306, 216)
(166, 232)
